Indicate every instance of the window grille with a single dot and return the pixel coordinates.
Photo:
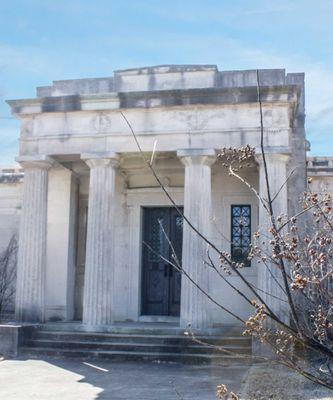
(241, 233)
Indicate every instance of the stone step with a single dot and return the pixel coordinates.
(132, 356)
(157, 329)
(146, 328)
(238, 341)
(155, 346)
(135, 347)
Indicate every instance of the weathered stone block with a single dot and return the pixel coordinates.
(9, 340)
(11, 337)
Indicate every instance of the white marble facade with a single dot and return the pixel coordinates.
(86, 185)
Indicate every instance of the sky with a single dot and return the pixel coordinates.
(46, 40)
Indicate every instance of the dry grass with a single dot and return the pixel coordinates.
(277, 383)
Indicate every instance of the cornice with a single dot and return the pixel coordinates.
(155, 99)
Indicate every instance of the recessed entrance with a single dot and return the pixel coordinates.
(161, 283)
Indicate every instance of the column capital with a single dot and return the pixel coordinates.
(96, 159)
(40, 161)
(197, 156)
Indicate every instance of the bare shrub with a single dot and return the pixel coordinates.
(8, 263)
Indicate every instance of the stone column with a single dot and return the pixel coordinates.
(197, 208)
(61, 244)
(277, 174)
(30, 284)
(98, 279)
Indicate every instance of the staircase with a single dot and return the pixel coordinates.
(134, 344)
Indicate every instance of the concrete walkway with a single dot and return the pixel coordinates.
(62, 379)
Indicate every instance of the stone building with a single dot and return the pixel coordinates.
(90, 204)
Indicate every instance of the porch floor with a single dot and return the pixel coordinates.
(162, 328)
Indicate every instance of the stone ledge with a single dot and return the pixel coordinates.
(12, 336)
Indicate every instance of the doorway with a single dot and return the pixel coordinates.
(161, 283)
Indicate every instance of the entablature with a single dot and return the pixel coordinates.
(157, 98)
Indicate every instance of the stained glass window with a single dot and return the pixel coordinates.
(241, 233)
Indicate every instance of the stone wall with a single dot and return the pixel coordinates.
(320, 169)
(10, 203)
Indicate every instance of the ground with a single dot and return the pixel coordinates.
(54, 379)
(273, 382)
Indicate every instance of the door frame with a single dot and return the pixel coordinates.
(148, 317)
(137, 199)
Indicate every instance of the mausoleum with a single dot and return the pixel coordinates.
(94, 219)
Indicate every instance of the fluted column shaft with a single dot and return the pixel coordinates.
(277, 176)
(30, 284)
(197, 208)
(98, 280)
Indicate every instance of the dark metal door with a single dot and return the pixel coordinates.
(161, 282)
